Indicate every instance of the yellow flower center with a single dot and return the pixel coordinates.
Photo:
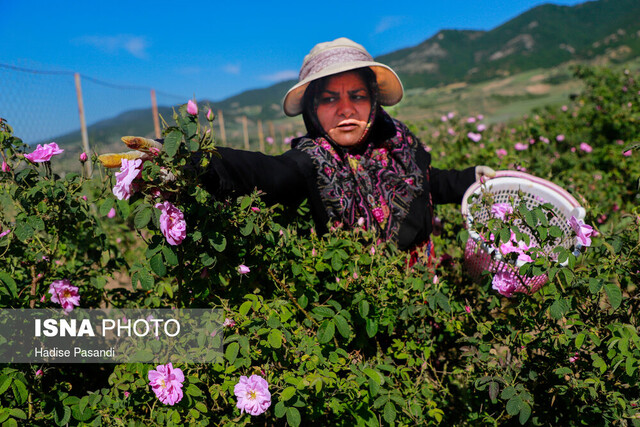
(252, 395)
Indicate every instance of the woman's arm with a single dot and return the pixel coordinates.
(448, 186)
(239, 172)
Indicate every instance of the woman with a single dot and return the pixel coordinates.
(356, 165)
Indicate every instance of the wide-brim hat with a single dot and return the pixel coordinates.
(336, 57)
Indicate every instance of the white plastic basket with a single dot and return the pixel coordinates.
(507, 187)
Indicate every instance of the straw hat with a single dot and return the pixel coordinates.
(336, 57)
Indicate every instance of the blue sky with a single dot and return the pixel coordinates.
(220, 48)
(216, 49)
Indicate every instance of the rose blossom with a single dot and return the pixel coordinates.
(111, 213)
(560, 138)
(43, 153)
(475, 137)
(5, 167)
(583, 231)
(243, 269)
(5, 232)
(210, 115)
(585, 147)
(172, 223)
(500, 210)
(501, 152)
(166, 382)
(228, 323)
(520, 146)
(64, 294)
(83, 157)
(192, 108)
(129, 170)
(252, 394)
(505, 283)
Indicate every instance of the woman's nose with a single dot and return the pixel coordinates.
(345, 107)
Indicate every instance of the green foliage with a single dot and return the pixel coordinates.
(342, 329)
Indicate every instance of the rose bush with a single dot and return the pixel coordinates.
(337, 329)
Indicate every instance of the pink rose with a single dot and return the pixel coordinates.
(475, 137)
(112, 213)
(83, 157)
(501, 152)
(253, 395)
(243, 269)
(505, 282)
(500, 210)
(129, 170)
(192, 108)
(560, 138)
(172, 223)
(583, 231)
(210, 115)
(5, 167)
(43, 153)
(166, 382)
(64, 294)
(585, 147)
(520, 146)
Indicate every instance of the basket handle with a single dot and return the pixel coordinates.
(578, 210)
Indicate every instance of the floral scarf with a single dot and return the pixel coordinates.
(372, 186)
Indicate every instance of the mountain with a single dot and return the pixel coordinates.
(543, 37)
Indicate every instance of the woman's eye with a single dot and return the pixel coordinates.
(359, 97)
(327, 99)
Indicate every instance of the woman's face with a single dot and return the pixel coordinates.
(344, 107)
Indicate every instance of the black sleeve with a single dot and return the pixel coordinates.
(448, 186)
(238, 172)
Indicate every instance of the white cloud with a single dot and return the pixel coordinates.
(388, 22)
(231, 68)
(281, 76)
(134, 45)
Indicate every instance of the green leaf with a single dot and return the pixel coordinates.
(371, 327)
(231, 353)
(245, 203)
(106, 206)
(579, 340)
(513, 405)
(342, 325)
(23, 231)
(193, 390)
(170, 256)
(363, 308)
(293, 417)
(245, 307)
(508, 393)
(62, 415)
(18, 413)
(390, 412)
(614, 294)
(326, 331)
(275, 338)
(19, 391)
(10, 284)
(280, 410)
(172, 142)
(218, 242)
(36, 223)
(5, 382)
(157, 265)
(142, 218)
(525, 413)
(443, 302)
(287, 393)
(374, 375)
(558, 308)
(494, 388)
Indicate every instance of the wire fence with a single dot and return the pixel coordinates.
(44, 106)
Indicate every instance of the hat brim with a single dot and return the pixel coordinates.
(389, 85)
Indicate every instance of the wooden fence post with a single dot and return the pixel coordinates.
(154, 111)
(261, 136)
(245, 132)
(83, 125)
(223, 134)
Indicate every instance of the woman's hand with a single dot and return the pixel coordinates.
(484, 172)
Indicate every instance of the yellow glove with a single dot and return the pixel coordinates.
(145, 148)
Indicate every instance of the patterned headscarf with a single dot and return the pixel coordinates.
(372, 184)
